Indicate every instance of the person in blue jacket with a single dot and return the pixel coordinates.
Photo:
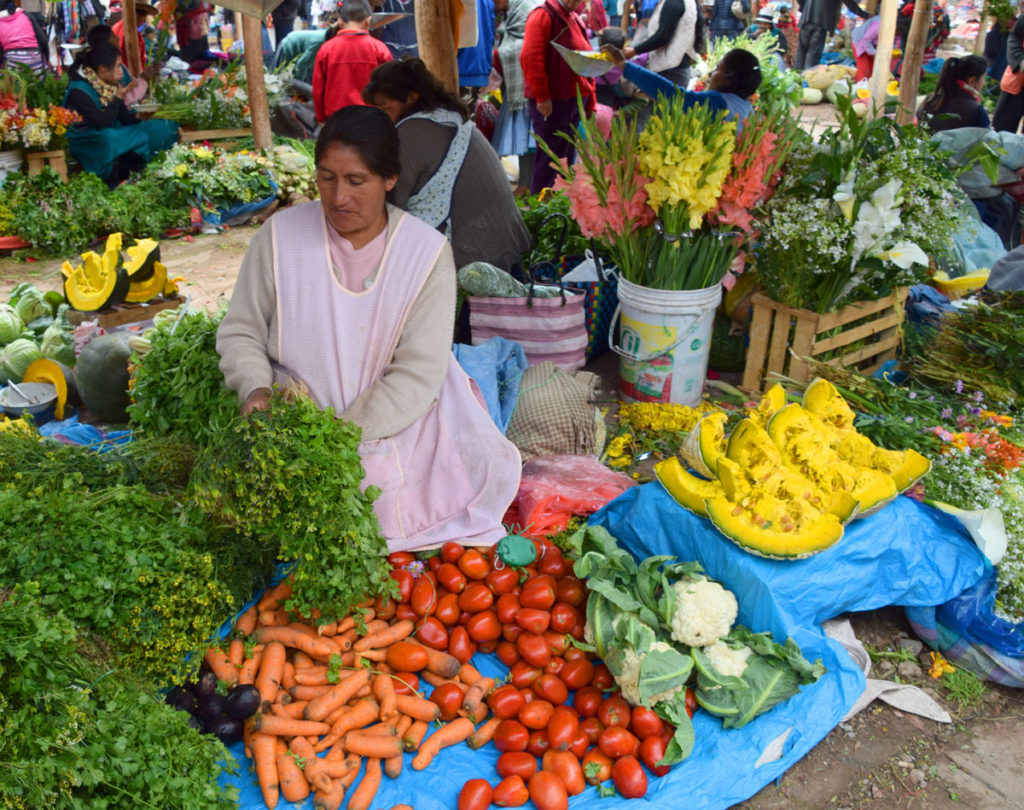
(731, 84)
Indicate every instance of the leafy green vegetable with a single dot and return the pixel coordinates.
(30, 303)
(58, 341)
(11, 324)
(774, 673)
(290, 477)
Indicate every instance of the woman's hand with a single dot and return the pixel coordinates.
(124, 89)
(544, 108)
(617, 57)
(149, 71)
(258, 400)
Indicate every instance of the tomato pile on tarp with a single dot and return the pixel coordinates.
(907, 555)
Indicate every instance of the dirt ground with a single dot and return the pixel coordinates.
(881, 758)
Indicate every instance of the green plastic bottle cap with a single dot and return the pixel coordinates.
(516, 551)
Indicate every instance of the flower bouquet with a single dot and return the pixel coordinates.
(35, 129)
(671, 206)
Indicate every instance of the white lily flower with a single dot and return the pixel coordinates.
(884, 197)
(904, 255)
(986, 527)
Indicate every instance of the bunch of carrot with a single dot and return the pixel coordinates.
(337, 694)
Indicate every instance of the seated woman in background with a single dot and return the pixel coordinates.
(356, 299)
(956, 101)
(110, 141)
(451, 177)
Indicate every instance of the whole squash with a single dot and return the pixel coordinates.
(102, 376)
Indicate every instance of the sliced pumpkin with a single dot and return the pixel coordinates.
(705, 444)
(774, 400)
(767, 529)
(686, 489)
(142, 258)
(90, 288)
(823, 400)
(112, 253)
(141, 290)
(59, 376)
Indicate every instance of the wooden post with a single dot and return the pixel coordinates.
(436, 42)
(259, 111)
(883, 55)
(983, 26)
(913, 55)
(131, 37)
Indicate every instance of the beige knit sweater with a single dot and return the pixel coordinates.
(248, 341)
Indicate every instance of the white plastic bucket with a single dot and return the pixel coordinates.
(664, 342)
(10, 163)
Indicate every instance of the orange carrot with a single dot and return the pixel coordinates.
(305, 629)
(401, 807)
(318, 771)
(294, 787)
(246, 622)
(475, 695)
(221, 666)
(417, 708)
(300, 692)
(372, 745)
(449, 734)
(435, 680)
(483, 734)
(478, 715)
(250, 666)
(236, 652)
(268, 681)
(311, 676)
(313, 646)
(286, 727)
(414, 736)
(388, 727)
(393, 765)
(338, 695)
(372, 655)
(386, 636)
(384, 691)
(443, 664)
(363, 795)
(292, 710)
(331, 799)
(288, 676)
(468, 674)
(328, 629)
(364, 711)
(264, 755)
(274, 618)
(302, 661)
(275, 596)
(347, 639)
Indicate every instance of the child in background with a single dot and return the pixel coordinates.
(613, 91)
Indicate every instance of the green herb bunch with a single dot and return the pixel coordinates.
(177, 386)
(211, 178)
(290, 477)
(76, 732)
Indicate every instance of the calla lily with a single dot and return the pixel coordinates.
(844, 195)
(904, 255)
(986, 527)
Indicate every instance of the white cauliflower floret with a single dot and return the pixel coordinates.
(629, 678)
(728, 660)
(704, 612)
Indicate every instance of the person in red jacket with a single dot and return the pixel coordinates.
(346, 60)
(551, 84)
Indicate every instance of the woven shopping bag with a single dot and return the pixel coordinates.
(602, 297)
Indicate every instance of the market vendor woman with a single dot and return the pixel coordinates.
(110, 141)
(355, 299)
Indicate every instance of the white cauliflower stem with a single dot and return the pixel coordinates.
(629, 679)
(728, 660)
(704, 612)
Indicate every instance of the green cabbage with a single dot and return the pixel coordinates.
(30, 303)
(16, 357)
(58, 342)
(10, 324)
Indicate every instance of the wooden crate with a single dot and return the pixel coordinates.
(781, 336)
(193, 135)
(56, 160)
(126, 313)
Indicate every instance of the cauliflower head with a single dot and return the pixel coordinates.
(728, 660)
(629, 678)
(704, 612)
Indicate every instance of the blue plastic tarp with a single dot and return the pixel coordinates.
(907, 554)
(496, 366)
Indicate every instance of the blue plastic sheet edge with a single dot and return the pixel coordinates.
(906, 554)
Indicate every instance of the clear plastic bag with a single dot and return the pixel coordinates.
(554, 488)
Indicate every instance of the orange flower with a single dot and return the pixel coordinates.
(940, 666)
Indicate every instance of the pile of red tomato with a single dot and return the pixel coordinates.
(463, 603)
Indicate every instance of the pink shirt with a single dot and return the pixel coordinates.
(354, 267)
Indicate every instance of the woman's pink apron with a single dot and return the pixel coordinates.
(450, 475)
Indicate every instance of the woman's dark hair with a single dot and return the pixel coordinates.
(741, 73)
(99, 34)
(100, 55)
(369, 131)
(956, 69)
(612, 35)
(400, 78)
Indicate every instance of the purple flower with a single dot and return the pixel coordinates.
(931, 398)
(913, 394)
(958, 386)
(947, 413)
(979, 397)
(975, 411)
(908, 419)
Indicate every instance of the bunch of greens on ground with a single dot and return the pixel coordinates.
(75, 731)
(177, 387)
(289, 478)
(212, 178)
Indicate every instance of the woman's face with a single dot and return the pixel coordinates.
(395, 108)
(352, 196)
(111, 74)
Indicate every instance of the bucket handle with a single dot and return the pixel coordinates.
(646, 358)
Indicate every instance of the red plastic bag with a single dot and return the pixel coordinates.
(554, 488)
